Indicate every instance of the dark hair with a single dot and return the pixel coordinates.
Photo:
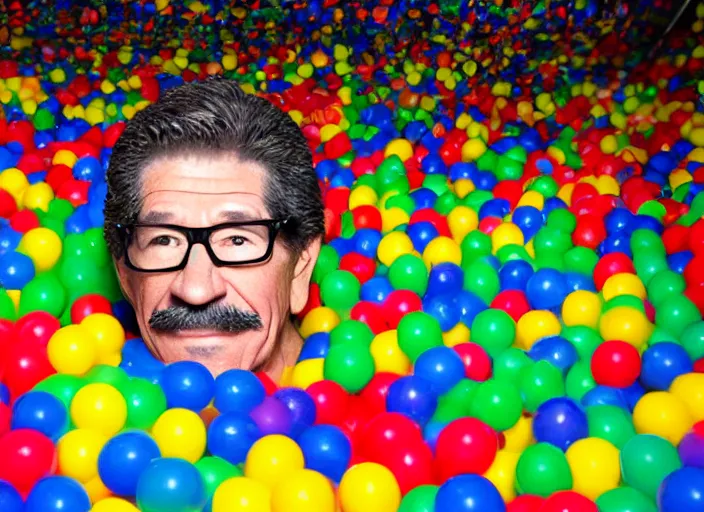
(217, 115)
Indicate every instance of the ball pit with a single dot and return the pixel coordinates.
(507, 311)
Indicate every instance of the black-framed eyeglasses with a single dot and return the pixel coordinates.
(166, 247)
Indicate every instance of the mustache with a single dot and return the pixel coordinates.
(228, 319)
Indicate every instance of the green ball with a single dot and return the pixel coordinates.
(419, 499)
(340, 290)
(97, 247)
(351, 331)
(106, 374)
(630, 301)
(475, 245)
(584, 339)
(647, 242)
(676, 314)
(43, 293)
(646, 460)
(542, 470)
(7, 307)
(76, 245)
(692, 339)
(498, 404)
(417, 332)
(328, 260)
(539, 383)
(80, 275)
(580, 259)
(494, 330)
(579, 381)
(509, 365)
(408, 272)
(562, 220)
(457, 402)
(351, 365)
(549, 240)
(215, 471)
(648, 266)
(610, 423)
(625, 499)
(145, 402)
(482, 280)
(62, 386)
(665, 285)
(60, 209)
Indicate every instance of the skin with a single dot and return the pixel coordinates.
(201, 191)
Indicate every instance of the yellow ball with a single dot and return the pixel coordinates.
(180, 433)
(37, 196)
(392, 218)
(502, 474)
(369, 487)
(272, 459)
(363, 195)
(506, 234)
(458, 334)
(532, 198)
(43, 246)
(582, 307)
(623, 284)
(14, 182)
(472, 150)
(626, 324)
(96, 490)
(99, 407)
(304, 490)
(663, 414)
(241, 494)
(112, 504)
(71, 350)
(462, 220)
(520, 436)
(388, 356)
(399, 147)
(609, 144)
(107, 332)
(64, 157)
(307, 372)
(320, 319)
(78, 452)
(442, 250)
(690, 389)
(535, 325)
(393, 245)
(595, 466)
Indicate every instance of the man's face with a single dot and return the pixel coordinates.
(204, 191)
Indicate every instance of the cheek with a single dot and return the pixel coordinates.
(265, 289)
(151, 292)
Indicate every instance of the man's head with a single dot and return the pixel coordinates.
(214, 218)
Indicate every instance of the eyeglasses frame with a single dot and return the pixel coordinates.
(202, 236)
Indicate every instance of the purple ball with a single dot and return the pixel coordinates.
(272, 416)
(691, 450)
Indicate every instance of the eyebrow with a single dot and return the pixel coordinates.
(157, 217)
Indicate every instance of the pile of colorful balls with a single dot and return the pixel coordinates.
(507, 312)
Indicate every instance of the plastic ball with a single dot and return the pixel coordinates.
(57, 493)
(560, 422)
(690, 389)
(369, 487)
(625, 324)
(237, 391)
(691, 448)
(625, 499)
(466, 445)
(10, 499)
(469, 493)
(78, 453)
(43, 246)
(441, 366)
(595, 468)
(683, 489)
(616, 364)
(326, 450)
(180, 433)
(271, 458)
(497, 403)
(610, 423)
(112, 504)
(662, 364)
(40, 411)
(662, 413)
(123, 459)
(420, 499)
(169, 484)
(568, 501)
(301, 491)
(188, 385)
(72, 351)
(582, 307)
(240, 494)
(646, 460)
(543, 470)
(100, 407)
(145, 402)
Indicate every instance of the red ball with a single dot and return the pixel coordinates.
(615, 364)
(362, 267)
(411, 464)
(331, 402)
(698, 367)
(696, 237)
(58, 175)
(477, 363)
(88, 305)
(436, 219)
(466, 445)
(398, 304)
(313, 302)
(25, 365)
(270, 386)
(36, 327)
(371, 314)
(27, 455)
(489, 224)
(590, 231)
(675, 238)
(8, 206)
(5, 419)
(694, 272)
(525, 503)
(513, 302)
(74, 191)
(357, 416)
(337, 199)
(388, 431)
(568, 501)
(24, 220)
(610, 264)
(374, 393)
(366, 216)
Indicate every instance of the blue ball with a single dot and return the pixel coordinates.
(441, 366)
(469, 493)
(421, 233)
(79, 221)
(632, 394)
(376, 290)
(443, 309)
(514, 275)
(431, 431)
(41, 411)
(315, 346)
(9, 240)
(138, 361)
(10, 499)
(4, 394)
(604, 395)
(124, 458)
(412, 396)
(663, 363)
(555, 350)
(445, 278)
(560, 422)
(301, 405)
(578, 281)
(326, 449)
(469, 306)
(423, 198)
(171, 484)
(88, 168)
(546, 289)
(679, 261)
(238, 391)
(57, 494)
(231, 435)
(366, 241)
(16, 270)
(528, 219)
(187, 384)
(681, 490)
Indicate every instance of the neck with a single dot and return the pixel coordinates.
(285, 354)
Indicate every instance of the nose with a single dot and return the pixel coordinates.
(200, 283)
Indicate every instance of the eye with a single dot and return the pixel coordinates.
(237, 240)
(163, 240)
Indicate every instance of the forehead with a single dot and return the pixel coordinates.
(198, 190)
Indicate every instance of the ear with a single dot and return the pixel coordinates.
(123, 276)
(302, 273)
